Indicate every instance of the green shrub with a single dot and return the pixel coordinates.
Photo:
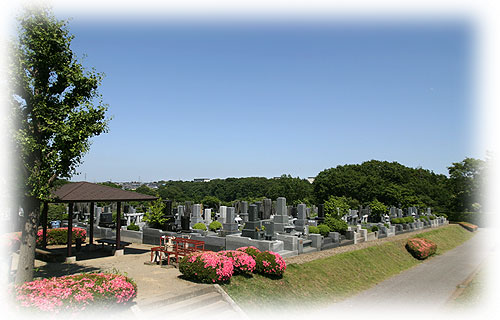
(200, 226)
(215, 225)
(336, 225)
(133, 227)
(432, 217)
(444, 215)
(373, 229)
(408, 220)
(313, 229)
(397, 220)
(324, 229)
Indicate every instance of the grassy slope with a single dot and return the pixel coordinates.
(334, 278)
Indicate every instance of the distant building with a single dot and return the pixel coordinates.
(310, 179)
(201, 180)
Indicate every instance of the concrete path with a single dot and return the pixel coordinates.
(427, 286)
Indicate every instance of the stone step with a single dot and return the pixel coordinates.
(288, 253)
(190, 305)
(307, 243)
(309, 249)
(171, 298)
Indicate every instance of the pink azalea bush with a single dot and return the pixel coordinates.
(421, 248)
(252, 251)
(76, 292)
(207, 266)
(60, 235)
(270, 263)
(242, 261)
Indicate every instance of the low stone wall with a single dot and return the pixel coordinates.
(131, 236)
(235, 241)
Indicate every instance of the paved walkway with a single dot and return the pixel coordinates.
(426, 287)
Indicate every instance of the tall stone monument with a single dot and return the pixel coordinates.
(301, 221)
(253, 226)
(281, 218)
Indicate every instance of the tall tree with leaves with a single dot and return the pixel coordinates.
(57, 109)
(466, 183)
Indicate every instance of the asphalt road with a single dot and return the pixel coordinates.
(427, 286)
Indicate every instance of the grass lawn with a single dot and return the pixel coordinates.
(337, 277)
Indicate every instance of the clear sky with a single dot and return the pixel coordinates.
(192, 100)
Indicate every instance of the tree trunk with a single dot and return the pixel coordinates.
(26, 264)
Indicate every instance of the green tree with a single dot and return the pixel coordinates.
(336, 207)
(378, 209)
(154, 216)
(465, 183)
(211, 202)
(56, 108)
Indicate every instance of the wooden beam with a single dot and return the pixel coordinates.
(91, 231)
(118, 223)
(45, 210)
(70, 228)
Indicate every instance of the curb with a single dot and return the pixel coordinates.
(231, 302)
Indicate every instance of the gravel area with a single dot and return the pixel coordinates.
(303, 258)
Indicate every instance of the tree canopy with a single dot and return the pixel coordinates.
(57, 110)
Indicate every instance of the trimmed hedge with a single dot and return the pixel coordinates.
(76, 292)
(200, 226)
(215, 225)
(60, 235)
(336, 225)
(421, 248)
(469, 226)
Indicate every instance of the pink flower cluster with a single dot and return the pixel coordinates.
(270, 263)
(76, 292)
(242, 262)
(207, 266)
(421, 248)
(60, 235)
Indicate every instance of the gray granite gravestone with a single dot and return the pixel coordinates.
(230, 226)
(253, 225)
(267, 208)
(244, 211)
(281, 217)
(301, 221)
(196, 215)
(321, 214)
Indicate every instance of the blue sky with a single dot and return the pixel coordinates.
(224, 100)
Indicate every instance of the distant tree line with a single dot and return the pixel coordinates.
(379, 184)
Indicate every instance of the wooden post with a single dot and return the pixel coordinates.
(45, 210)
(91, 231)
(70, 227)
(118, 223)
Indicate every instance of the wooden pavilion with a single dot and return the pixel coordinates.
(71, 193)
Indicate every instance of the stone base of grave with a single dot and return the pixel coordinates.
(251, 234)
(234, 242)
(71, 259)
(119, 252)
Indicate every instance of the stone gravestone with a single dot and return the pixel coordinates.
(301, 221)
(308, 213)
(400, 213)
(244, 211)
(222, 211)
(208, 216)
(273, 208)
(267, 203)
(393, 212)
(321, 214)
(188, 208)
(281, 218)
(169, 215)
(253, 226)
(260, 209)
(180, 214)
(196, 215)
(294, 212)
(289, 211)
(230, 227)
(428, 212)
(268, 227)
